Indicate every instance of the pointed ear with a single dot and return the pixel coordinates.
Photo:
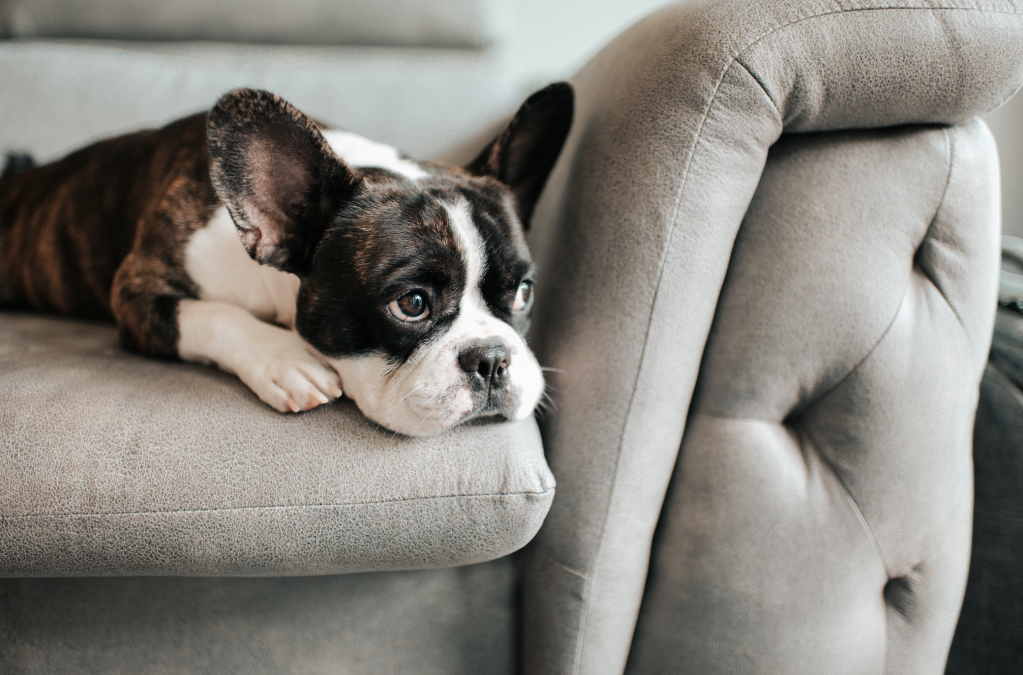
(523, 155)
(277, 175)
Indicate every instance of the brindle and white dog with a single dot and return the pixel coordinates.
(302, 259)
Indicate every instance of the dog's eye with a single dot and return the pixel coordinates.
(410, 307)
(524, 297)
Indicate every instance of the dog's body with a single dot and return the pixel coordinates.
(298, 258)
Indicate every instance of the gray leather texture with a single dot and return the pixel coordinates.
(823, 491)
(673, 122)
(429, 23)
(989, 637)
(432, 622)
(116, 464)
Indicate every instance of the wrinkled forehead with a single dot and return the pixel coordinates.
(406, 224)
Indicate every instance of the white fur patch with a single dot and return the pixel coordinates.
(471, 247)
(216, 260)
(361, 152)
(275, 363)
(430, 392)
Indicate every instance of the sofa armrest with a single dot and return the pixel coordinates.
(116, 464)
(634, 234)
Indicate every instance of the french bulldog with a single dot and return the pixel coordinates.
(307, 261)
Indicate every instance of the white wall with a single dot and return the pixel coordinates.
(554, 38)
(1007, 126)
(549, 40)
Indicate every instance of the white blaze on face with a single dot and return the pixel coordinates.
(430, 392)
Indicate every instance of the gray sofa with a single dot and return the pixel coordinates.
(766, 352)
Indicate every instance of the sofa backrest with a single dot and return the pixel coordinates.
(433, 23)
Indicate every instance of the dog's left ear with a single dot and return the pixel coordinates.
(523, 155)
(277, 175)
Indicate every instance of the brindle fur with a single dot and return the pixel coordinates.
(114, 215)
(103, 232)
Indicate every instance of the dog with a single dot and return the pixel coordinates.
(306, 261)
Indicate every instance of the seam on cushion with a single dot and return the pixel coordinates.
(577, 665)
(560, 565)
(272, 507)
(849, 495)
(852, 10)
(823, 395)
(827, 392)
(818, 399)
(950, 149)
(863, 521)
(756, 78)
(831, 467)
(584, 619)
(737, 54)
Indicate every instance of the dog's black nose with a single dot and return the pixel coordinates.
(488, 358)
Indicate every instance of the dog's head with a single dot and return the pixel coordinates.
(417, 285)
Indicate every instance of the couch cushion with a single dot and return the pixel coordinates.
(434, 23)
(61, 94)
(117, 464)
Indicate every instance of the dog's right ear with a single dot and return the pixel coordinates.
(277, 176)
(523, 155)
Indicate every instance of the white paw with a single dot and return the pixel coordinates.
(291, 377)
(281, 368)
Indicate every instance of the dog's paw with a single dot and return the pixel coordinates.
(279, 366)
(292, 378)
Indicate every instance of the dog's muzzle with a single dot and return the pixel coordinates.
(486, 363)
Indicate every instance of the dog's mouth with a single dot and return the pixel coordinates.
(489, 408)
(488, 403)
(446, 387)
(462, 404)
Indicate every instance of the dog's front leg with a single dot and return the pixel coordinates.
(278, 365)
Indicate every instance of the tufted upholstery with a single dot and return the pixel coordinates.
(674, 121)
(818, 512)
(823, 490)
